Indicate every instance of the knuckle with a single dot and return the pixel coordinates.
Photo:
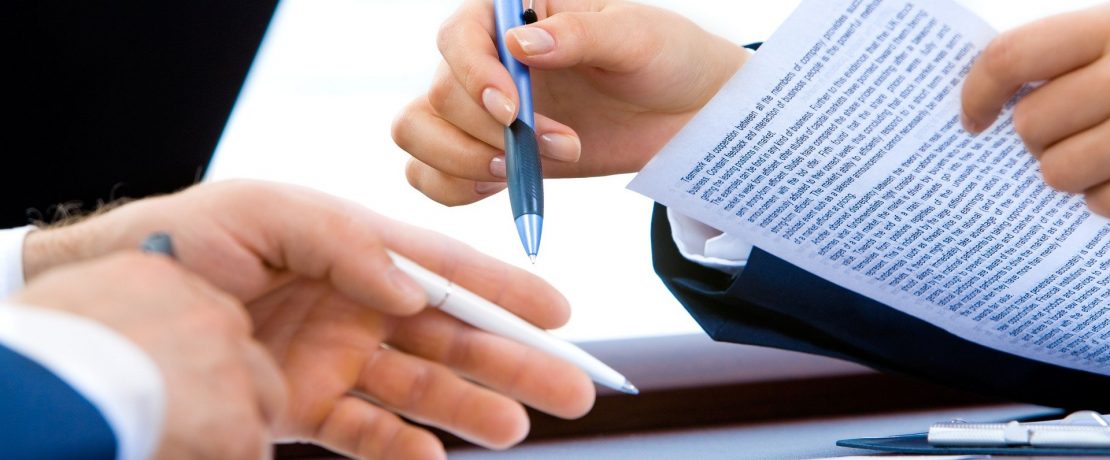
(402, 127)
(449, 199)
(413, 174)
(1057, 176)
(445, 36)
(441, 91)
(419, 386)
(245, 440)
(1098, 203)
(571, 24)
(1025, 124)
(470, 75)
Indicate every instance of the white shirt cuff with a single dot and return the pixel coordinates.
(11, 259)
(707, 246)
(107, 369)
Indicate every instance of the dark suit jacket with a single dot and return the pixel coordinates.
(43, 418)
(105, 100)
(109, 99)
(775, 304)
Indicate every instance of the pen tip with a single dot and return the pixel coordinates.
(629, 388)
(532, 257)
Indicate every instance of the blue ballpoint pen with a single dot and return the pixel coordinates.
(522, 155)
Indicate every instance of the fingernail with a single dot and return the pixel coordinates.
(406, 285)
(970, 125)
(533, 40)
(499, 105)
(561, 147)
(489, 188)
(497, 166)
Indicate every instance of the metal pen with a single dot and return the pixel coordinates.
(522, 154)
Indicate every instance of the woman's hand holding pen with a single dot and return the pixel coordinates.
(347, 328)
(1065, 122)
(612, 82)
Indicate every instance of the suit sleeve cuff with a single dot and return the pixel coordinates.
(707, 246)
(11, 258)
(112, 373)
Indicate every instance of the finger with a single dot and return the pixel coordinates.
(449, 100)
(1050, 113)
(269, 382)
(1098, 199)
(357, 428)
(518, 291)
(315, 235)
(1080, 161)
(445, 147)
(1038, 51)
(520, 372)
(445, 189)
(466, 42)
(431, 394)
(612, 38)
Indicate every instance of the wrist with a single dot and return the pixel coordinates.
(45, 248)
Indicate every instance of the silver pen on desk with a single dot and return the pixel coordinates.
(483, 314)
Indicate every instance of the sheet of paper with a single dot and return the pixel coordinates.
(838, 148)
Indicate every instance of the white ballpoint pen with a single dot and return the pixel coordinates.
(485, 315)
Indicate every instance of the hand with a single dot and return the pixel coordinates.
(222, 388)
(347, 327)
(1064, 122)
(613, 81)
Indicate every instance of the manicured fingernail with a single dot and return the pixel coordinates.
(497, 166)
(533, 40)
(561, 147)
(499, 105)
(489, 188)
(406, 285)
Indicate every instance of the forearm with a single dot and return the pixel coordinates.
(50, 247)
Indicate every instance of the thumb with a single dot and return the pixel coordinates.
(610, 39)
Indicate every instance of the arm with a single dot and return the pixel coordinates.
(128, 346)
(341, 321)
(45, 416)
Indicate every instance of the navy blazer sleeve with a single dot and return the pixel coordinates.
(772, 303)
(43, 418)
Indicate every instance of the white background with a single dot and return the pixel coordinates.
(332, 74)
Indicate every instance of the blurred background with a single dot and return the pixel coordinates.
(332, 74)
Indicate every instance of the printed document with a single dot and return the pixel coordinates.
(838, 147)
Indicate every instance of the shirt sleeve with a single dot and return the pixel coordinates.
(11, 259)
(707, 246)
(117, 377)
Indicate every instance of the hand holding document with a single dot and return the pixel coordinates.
(838, 148)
